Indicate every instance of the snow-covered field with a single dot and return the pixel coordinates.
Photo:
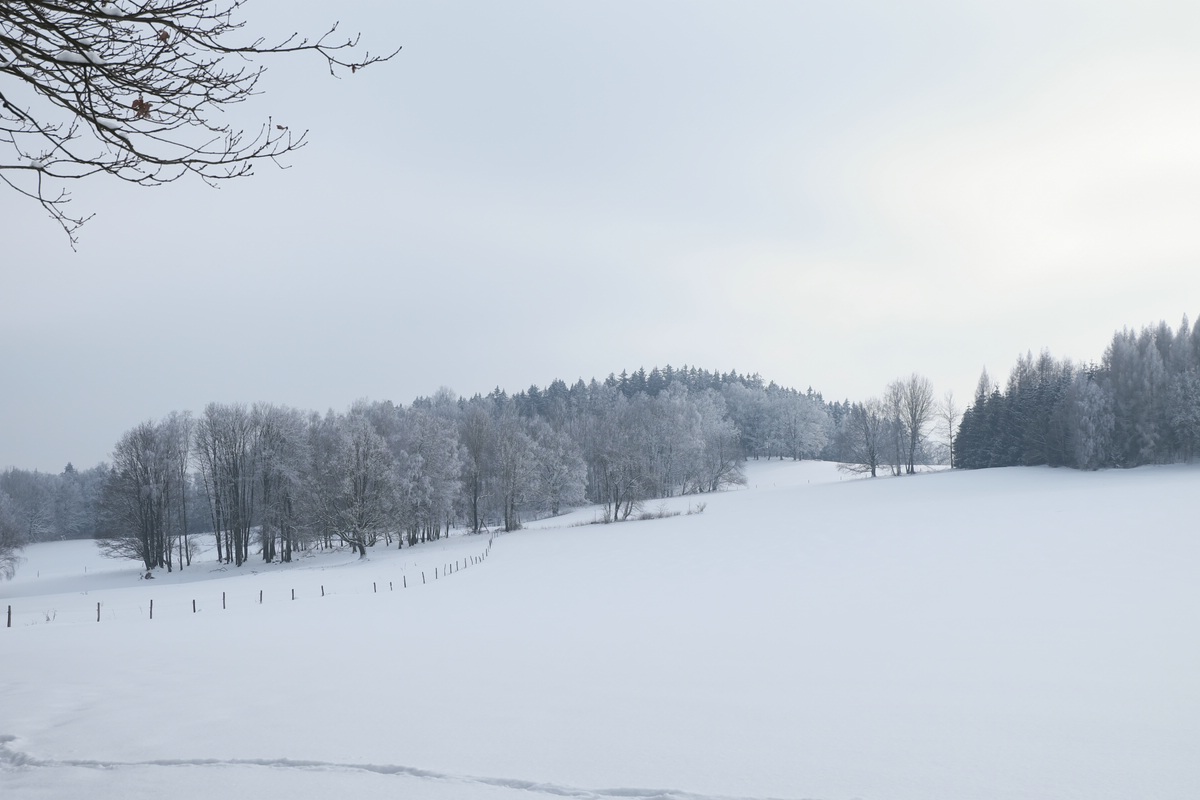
(1018, 633)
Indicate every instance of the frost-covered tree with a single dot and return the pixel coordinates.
(284, 479)
(561, 473)
(32, 497)
(750, 411)
(669, 442)
(366, 507)
(799, 424)
(52, 507)
(476, 431)
(720, 455)
(516, 468)
(1136, 379)
(1183, 404)
(430, 457)
(138, 90)
(612, 436)
(320, 477)
(176, 433)
(141, 495)
(1093, 422)
(226, 448)
(282, 457)
(71, 517)
(869, 426)
(916, 415)
(1140, 405)
(353, 481)
(11, 538)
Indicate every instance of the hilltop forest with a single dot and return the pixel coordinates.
(266, 481)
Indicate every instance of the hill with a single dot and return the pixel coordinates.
(1022, 632)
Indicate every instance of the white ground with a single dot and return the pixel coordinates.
(1019, 633)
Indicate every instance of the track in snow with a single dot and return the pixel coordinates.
(15, 759)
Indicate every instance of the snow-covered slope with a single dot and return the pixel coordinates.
(1000, 634)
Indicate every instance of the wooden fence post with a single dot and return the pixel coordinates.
(151, 608)
(9, 625)
(260, 597)
(193, 606)
(97, 612)
(222, 601)
(322, 590)
(293, 594)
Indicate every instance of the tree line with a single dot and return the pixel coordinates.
(1139, 405)
(894, 432)
(276, 480)
(38, 506)
(270, 481)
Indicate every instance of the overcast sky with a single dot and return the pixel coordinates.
(830, 194)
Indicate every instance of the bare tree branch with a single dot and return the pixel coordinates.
(135, 89)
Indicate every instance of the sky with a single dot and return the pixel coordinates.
(833, 195)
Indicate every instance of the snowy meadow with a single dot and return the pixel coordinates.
(1006, 633)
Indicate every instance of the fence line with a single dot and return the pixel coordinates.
(447, 569)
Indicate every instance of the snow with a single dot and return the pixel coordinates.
(88, 56)
(996, 634)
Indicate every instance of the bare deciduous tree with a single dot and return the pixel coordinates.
(917, 411)
(137, 90)
(950, 414)
(226, 447)
(869, 426)
(142, 492)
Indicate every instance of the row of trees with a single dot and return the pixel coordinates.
(278, 480)
(281, 480)
(273, 480)
(43, 506)
(1140, 405)
(772, 421)
(890, 432)
(38, 506)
